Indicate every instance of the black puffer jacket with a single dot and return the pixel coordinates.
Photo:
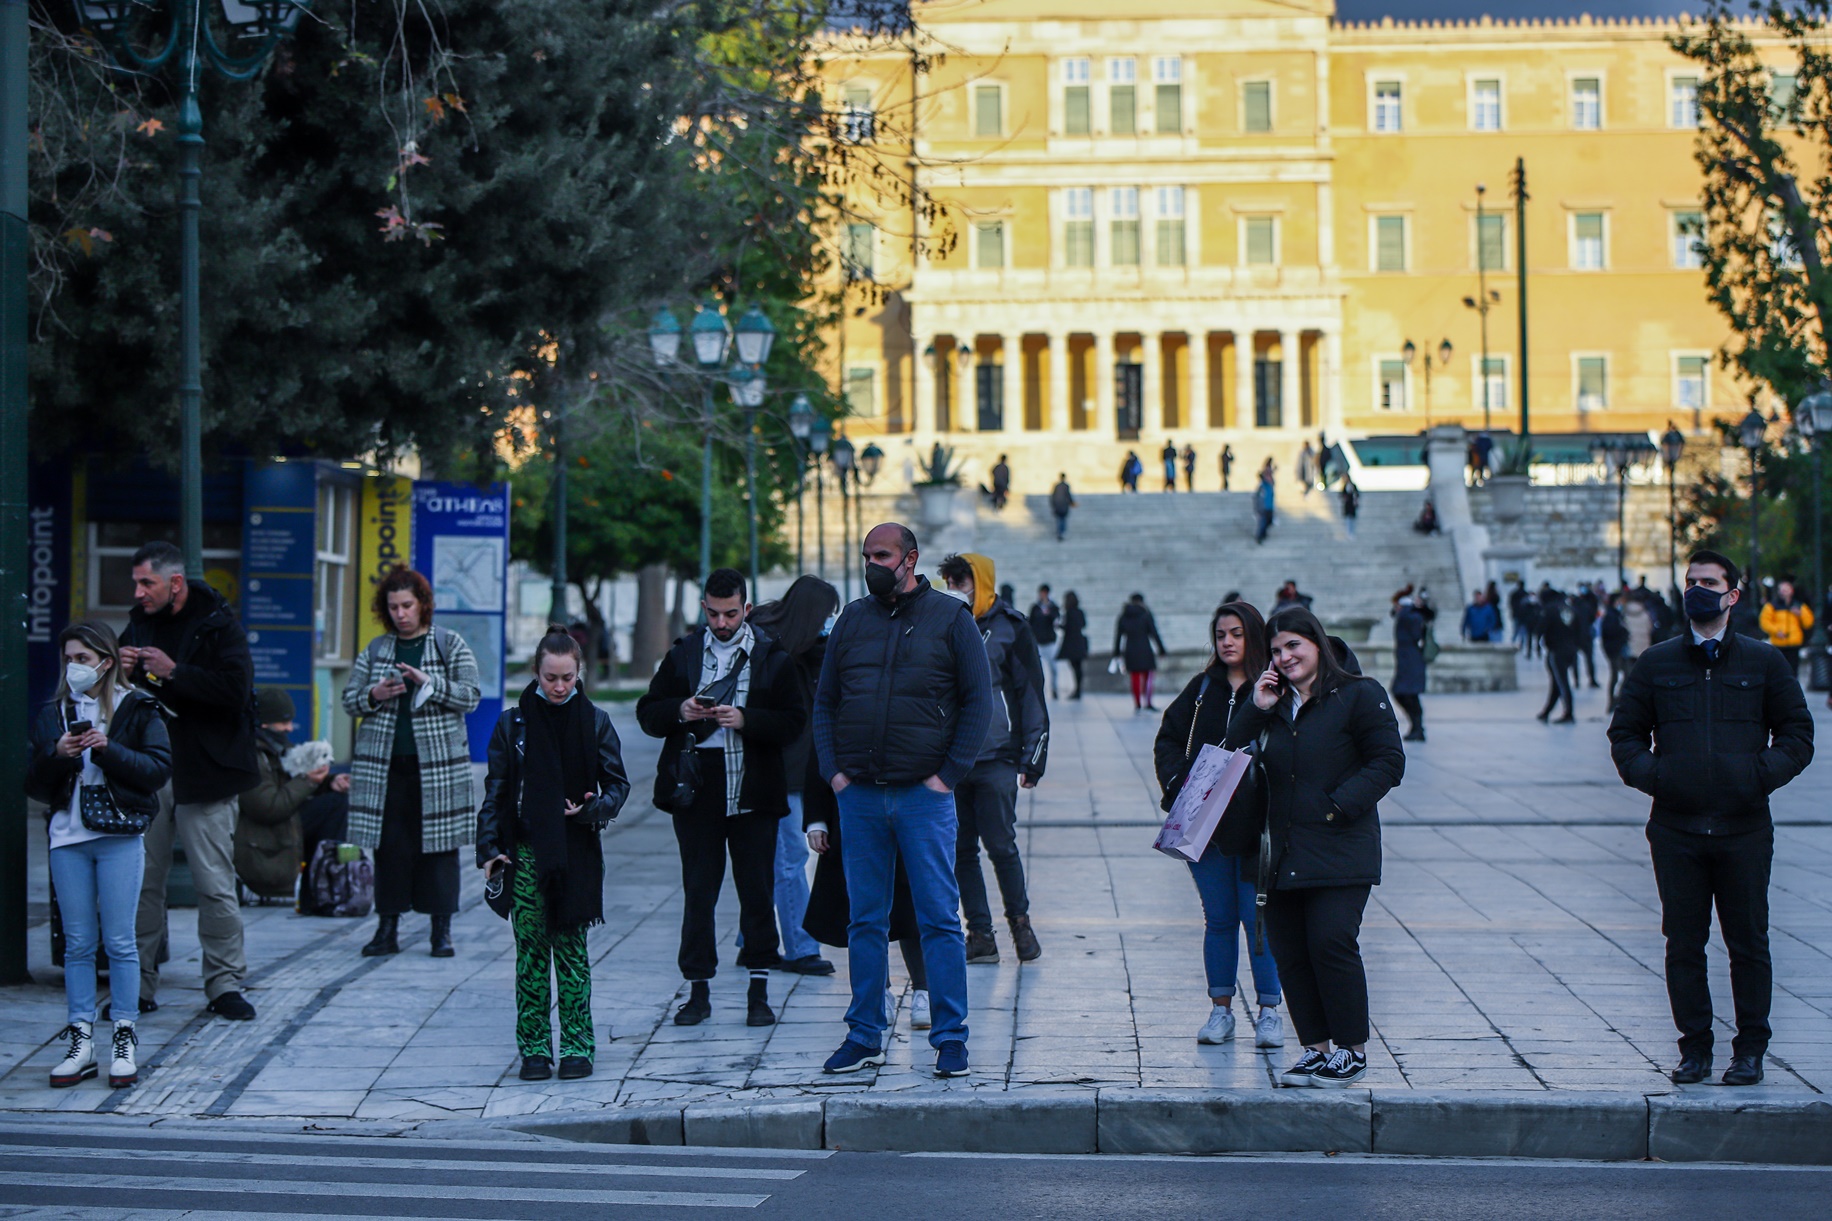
(210, 693)
(497, 822)
(1710, 743)
(1020, 720)
(136, 764)
(1209, 712)
(1325, 774)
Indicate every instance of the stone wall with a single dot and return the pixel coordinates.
(1573, 530)
(1459, 668)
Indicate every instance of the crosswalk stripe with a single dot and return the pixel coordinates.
(89, 1212)
(177, 1131)
(269, 1160)
(396, 1191)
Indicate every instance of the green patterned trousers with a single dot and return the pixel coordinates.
(539, 956)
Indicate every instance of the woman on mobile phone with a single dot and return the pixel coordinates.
(99, 756)
(555, 779)
(410, 780)
(1330, 749)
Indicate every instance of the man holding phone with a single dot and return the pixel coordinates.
(727, 694)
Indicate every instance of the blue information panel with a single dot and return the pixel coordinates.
(49, 524)
(461, 544)
(279, 537)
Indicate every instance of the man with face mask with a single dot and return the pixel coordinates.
(902, 712)
(1709, 724)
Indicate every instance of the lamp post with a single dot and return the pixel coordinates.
(1617, 453)
(801, 425)
(179, 34)
(1751, 431)
(556, 611)
(818, 442)
(1813, 418)
(1485, 299)
(1443, 362)
(15, 37)
(842, 464)
(755, 338)
(1672, 449)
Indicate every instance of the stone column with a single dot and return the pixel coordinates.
(966, 399)
(1014, 383)
(1290, 413)
(1102, 415)
(923, 411)
(1330, 380)
(1243, 379)
(1057, 418)
(1151, 417)
(1196, 413)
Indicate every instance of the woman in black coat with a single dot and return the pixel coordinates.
(1074, 629)
(1330, 749)
(1410, 620)
(1134, 634)
(1224, 874)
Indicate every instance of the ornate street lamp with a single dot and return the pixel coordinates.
(801, 424)
(1410, 351)
(1672, 449)
(842, 463)
(665, 337)
(870, 461)
(755, 337)
(747, 382)
(818, 441)
(1813, 420)
(1618, 454)
(1485, 299)
(1751, 431)
(145, 37)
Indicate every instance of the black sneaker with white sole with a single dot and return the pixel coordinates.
(1303, 1068)
(1344, 1068)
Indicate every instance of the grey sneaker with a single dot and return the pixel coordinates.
(1269, 1030)
(1220, 1026)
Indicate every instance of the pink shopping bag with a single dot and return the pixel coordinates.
(1204, 798)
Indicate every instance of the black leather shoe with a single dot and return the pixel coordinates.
(234, 1006)
(574, 1067)
(1692, 1070)
(813, 964)
(757, 1006)
(536, 1068)
(1744, 1070)
(698, 1007)
(148, 1004)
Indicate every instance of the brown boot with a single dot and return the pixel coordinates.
(1024, 940)
(982, 947)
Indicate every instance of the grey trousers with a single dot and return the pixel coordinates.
(208, 832)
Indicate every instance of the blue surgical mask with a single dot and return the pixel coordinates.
(827, 627)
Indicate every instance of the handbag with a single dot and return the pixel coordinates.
(498, 891)
(1115, 666)
(1430, 648)
(101, 813)
(680, 778)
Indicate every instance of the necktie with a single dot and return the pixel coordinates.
(1711, 651)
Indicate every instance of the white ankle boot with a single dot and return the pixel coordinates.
(123, 1069)
(79, 1057)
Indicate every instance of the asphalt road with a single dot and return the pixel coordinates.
(62, 1170)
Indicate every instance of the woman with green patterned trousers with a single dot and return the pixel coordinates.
(556, 778)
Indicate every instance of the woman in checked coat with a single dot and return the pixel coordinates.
(410, 782)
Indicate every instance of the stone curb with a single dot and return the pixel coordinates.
(1588, 1127)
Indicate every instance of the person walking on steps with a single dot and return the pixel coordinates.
(1016, 753)
(1043, 617)
(798, 624)
(411, 794)
(186, 648)
(1189, 467)
(1062, 499)
(1265, 503)
(1001, 482)
(1351, 504)
(1330, 749)
(905, 705)
(725, 702)
(1708, 725)
(1225, 873)
(1227, 466)
(1558, 633)
(99, 757)
(555, 780)
(1169, 457)
(1306, 468)
(1130, 470)
(1135, 634)
(1074, 647)
(1409, 628)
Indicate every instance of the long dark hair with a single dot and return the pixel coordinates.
(1258, 655)
(794, 621)
(1299, 621)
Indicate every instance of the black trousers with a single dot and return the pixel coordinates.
(986, 805)
(1693, 872)
(1315, 936)
(1559, 672)
(1415, 711)
(706, 837)
(1075, 669)
(1590, 661)
(407, 879)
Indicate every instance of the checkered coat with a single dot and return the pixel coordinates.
(448, 809)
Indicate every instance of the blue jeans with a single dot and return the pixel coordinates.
(100, 875)
(1226, 886)
(792, 883)
(877, 824)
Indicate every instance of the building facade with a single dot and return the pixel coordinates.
(1247, 223)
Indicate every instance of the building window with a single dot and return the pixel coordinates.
(1078, 226)
(1587, 241)
(988, 110)
(861, 247)
(989, 245)
(1593, 383)
(1123, 205)
(1690, 381)
(1122, 97)
(1688, 240)
(1781, 89)
(111, 554)
(1485, 105)
(1682, 104)
(1077, 113)
(335, 610)
(1393, 385)
(859, 122)
(1587, 103)
(1260, 241)
(861, 391)
(1167, 75)
(1256, 106)
(1495, 381)
(1492, 242)
(1170, 227)
(1389, 243)
(1386, 106)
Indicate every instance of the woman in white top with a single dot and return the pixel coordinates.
(100, 754)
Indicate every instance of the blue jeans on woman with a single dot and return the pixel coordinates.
(100, 875)
(1226, 886)
(792, 883)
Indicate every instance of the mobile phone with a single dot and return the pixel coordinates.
(80, 727)
(705, 701)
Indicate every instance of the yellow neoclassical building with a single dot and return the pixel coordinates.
(1245, 221)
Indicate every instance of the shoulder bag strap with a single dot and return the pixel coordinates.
(1189, 747)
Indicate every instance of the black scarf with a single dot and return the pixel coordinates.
(559, 764)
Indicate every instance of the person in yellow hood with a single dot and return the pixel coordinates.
(1787, 620)
(986, 802)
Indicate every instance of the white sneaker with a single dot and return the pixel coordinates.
(890, 1009)
(78, 1063)
(1220, 1026)
(122, 1068)
(1269, 1029)
(919, 1010)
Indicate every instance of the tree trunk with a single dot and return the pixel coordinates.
(677, 620)
(594, 624)
(649, 640)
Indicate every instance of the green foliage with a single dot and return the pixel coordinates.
(1715, 510)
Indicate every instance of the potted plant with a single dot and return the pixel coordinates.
(940, 481)
(1508, 485)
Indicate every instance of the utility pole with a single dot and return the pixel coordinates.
(14, 39)
(556, 613)
(1519, 185)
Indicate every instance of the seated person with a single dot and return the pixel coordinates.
(269, 837)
